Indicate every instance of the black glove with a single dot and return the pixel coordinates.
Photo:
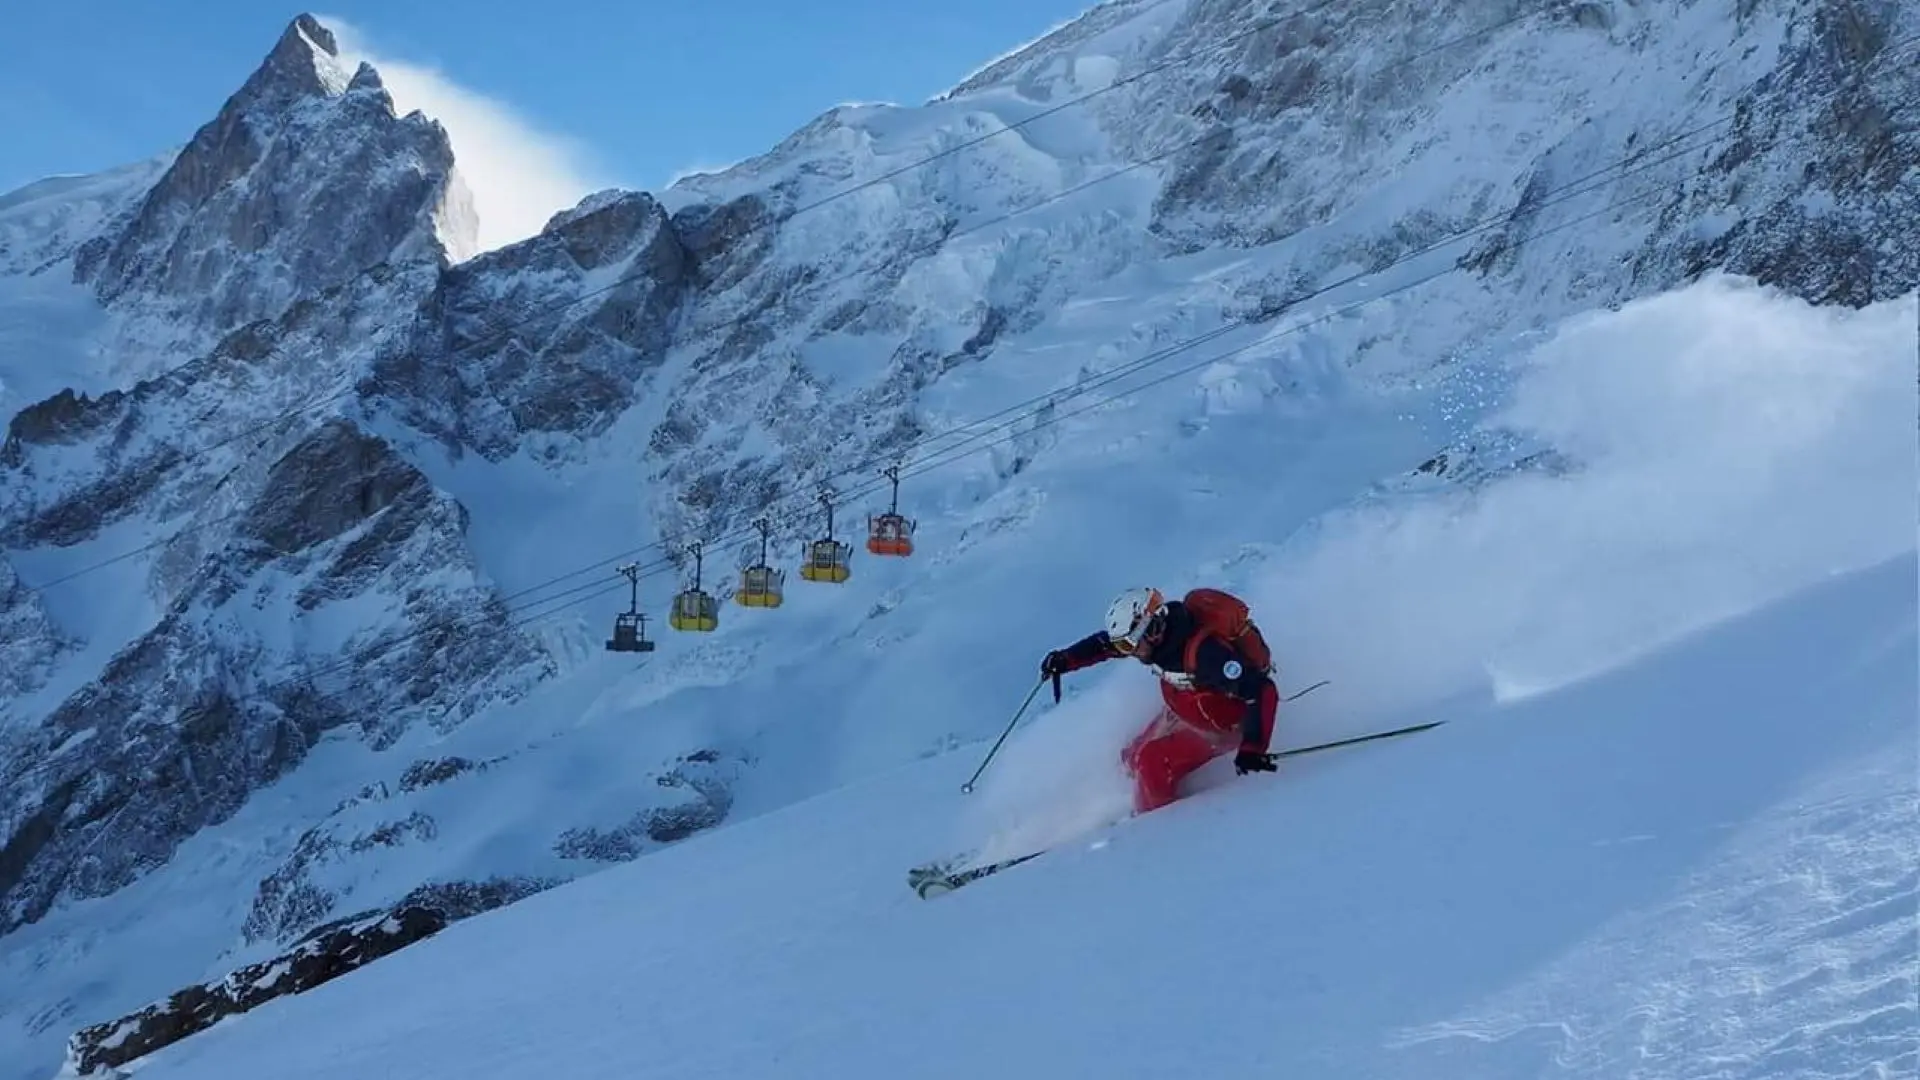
(1247, 761)
(1054, 664)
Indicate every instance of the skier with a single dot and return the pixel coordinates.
(1216, 678)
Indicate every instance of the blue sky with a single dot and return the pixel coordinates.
(627, 93)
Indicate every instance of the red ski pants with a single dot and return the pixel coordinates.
(1192, 729)
(1164, 752)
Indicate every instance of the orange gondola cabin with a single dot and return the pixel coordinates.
(891, 533)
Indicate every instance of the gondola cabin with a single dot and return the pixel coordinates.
(630, 626)
(629, 634)
(694, 610)
(827, 560)
(760, 586)
(890, 534)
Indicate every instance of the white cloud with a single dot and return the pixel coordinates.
(518, 176)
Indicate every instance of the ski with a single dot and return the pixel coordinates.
(935, 879)
(939, 878)
(1428, 726)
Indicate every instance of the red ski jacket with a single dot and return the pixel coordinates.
(1217, 669)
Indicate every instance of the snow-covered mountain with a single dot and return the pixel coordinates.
(311, 519)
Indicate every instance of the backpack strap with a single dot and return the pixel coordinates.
(1191, 655)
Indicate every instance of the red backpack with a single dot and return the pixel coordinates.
(1226, 616)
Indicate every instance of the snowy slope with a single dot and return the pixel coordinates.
(41, 223)
(1677, 868)
(50, 327)
(1654, 704)
(528, 447)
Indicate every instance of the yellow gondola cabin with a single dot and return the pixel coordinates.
(693, 609)
(827, 558)
(760, 584)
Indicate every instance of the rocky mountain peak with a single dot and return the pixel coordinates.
(305, 62)
(366, 78)
(306, 179)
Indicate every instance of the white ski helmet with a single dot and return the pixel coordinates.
(1131, 614)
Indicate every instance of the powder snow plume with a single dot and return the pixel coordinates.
(518, 176)
(1059, 776)
(1690, 419)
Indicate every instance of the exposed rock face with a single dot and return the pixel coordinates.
(708, 798)
(196, 713)
(332, 482)
(1274, 132)
(64, 418)
(422, 774)
(296, 233)
(186, 441)
(196, 1008)
(323, 954)
(30, 643)
(1804, 154)
(304, 180)
(330, 860)
(555, 335)
(1816, 188)
(290, 901)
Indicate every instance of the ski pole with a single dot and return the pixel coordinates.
(1307, 691)
(967, 788)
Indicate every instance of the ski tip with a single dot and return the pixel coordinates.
(929, 880)
(932, 887)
